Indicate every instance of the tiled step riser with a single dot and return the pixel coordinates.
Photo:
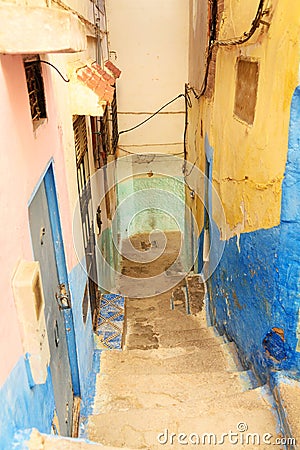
(110, 323)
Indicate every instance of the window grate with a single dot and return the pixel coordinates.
(97, 142)
(80, 138)
(114, 118)
(35, 87)
(104, 129)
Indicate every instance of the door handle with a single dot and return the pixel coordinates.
(63, 298)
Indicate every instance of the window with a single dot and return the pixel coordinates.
(100, 139)
(80, 138)
(114, 119)
(35, 87)
(98, 152)
(246, 89)
(101, 142)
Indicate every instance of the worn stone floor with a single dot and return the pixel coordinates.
(174, 374)
(175, 383)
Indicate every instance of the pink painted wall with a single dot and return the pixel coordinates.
(24, 155)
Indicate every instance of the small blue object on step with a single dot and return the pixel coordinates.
(111, 320)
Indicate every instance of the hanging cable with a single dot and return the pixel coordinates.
(212, 37)
(188, 104)
(247, 35)
(138, 153)
(213, 42)
(66, 80)
(152, 115)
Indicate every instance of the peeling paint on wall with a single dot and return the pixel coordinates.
(24, 407)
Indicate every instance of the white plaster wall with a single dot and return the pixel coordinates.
(149, 43)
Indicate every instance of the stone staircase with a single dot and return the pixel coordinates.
(175, 383)
(176, 376)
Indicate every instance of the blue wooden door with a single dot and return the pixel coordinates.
(44, 252)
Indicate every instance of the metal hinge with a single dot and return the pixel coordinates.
(63, 297)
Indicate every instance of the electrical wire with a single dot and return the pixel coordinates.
(138, 153)
(152, 115)
(212, 37)
(227, 42)
(247, 35)
(66, 80)
(188, 104)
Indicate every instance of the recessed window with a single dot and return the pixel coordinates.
(35, 87)
(246, 90)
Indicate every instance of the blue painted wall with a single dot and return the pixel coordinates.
(287, 312)
(243, 294)
(24, 407)
(254, 292)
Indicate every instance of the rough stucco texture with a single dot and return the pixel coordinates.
(22, 407)
(255, 288)
(151, 203)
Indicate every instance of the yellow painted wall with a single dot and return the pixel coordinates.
(249, 160)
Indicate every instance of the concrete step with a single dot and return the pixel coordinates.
(40, 441)
(170, 321)
(145, 336)
(162, 391)
(139, 428)
(212, 358)
(183, 337)
(287, 394)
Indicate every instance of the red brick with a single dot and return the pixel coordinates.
(113, 69)
(100, 89)
(111, 80)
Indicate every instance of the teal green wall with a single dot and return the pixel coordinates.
(150, 203)
(108, 260)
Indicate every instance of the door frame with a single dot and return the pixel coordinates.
(51, 194)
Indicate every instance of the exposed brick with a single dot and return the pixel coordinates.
(100, 89)
(106, 76)
(92, 84)
(98, 80)
(88, 71)
(82, 76)
(113, 69)
(109, 94)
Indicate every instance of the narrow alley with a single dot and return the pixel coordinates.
(175, 374)
(150, 224)
(175, 382)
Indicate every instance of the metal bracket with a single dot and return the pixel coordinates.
(63, 297)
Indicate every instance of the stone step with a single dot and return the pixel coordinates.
(40, 441)
(160, 391)
(146, 337)
(139, 428)
(184, 337)
(213, 358)
(287, 394)
(172, 321)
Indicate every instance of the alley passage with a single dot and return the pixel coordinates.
(174, 375)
